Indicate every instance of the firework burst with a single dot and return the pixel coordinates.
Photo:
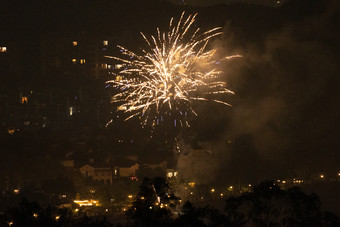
(174, 71)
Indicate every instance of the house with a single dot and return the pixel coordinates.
(158, 165)
(67, 163)
(128, 171)
(103, 174)
(87, 171)
(153, 169)
(126, 167)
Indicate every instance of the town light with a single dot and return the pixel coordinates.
(87, 202)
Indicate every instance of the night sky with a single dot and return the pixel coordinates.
(285, 113)
(215, 2)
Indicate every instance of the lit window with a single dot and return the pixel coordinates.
(74, 60)
(105, 42)
(175, 174)
(119, 78)
(11, 131)
(3, 49)
(75, 43)
(82, 61)
(170, 174)
(24, 100)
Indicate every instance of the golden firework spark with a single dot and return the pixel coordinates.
(173, 72)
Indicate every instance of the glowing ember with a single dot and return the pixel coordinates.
(175, 71)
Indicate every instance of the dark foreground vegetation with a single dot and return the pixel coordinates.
(265, 205)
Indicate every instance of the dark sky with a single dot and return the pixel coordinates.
(214, 2)
(286, 105)
(288, 100)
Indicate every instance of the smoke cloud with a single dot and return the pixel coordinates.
(286, 107)
(286, 95)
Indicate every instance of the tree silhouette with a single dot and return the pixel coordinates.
(30, 214)
(147, 210)
(202, 216)
(268, 205)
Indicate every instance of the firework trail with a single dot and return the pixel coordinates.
(174, 71)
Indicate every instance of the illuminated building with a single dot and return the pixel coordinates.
(87, 203)
(102, 174)
(157, 165)
(127, 170)
(67, 163)
(77, 57)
